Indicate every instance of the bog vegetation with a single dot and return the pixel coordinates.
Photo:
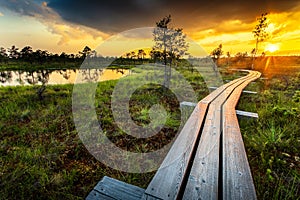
(43, 157)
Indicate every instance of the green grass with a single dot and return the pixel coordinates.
(42, 157)
(25, 66)
(273, 141)
(67, 64)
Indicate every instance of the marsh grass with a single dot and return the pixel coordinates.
(42, 157)
(273, 141)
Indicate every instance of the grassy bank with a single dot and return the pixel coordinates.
(42, 157)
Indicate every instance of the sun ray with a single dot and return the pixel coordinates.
(267, 64)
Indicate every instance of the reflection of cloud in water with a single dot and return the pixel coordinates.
(14, 78)
(113, 74)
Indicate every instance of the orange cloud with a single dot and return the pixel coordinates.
(67, 31)
(237, 36)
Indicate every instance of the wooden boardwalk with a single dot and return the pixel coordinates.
(208, 158)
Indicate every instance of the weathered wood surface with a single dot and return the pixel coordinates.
(112, 189)
(168, 182)
(194, 172)
(246, 114)
(206, 161)
(237, 181)
(169, 177)
(244, 91)
(238, 112)
(204, 177)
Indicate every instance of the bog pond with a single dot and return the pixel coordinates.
(54, 77)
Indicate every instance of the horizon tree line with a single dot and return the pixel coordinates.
(27, 54)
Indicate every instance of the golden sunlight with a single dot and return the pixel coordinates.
(272, 47)
(271, 28)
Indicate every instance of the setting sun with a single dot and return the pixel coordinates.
(272, 48)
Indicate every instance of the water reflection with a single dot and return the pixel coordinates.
(5, 76)
(54, 77)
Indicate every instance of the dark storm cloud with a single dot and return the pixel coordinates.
(113, 16)
(109, 16)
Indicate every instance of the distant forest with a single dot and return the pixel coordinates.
(26, 58)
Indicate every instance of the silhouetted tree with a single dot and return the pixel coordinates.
(3, 55)
(260, 33)
(13, 52)
(26, 54)
(3, 52)
(72, 56)
(155, 55)
(85, 52)
(63, 56)
(170, 42)
(216, 53)
(40, 56)
(228, 57)
(132, 55)
(141, 54)
(128, 55)
(241, 55)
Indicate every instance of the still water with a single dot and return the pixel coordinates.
(54, 77)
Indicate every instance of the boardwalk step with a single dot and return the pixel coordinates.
(112, 189)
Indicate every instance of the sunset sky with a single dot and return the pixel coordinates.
(69, 25)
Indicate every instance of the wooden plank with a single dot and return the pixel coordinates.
(237, 181)
(203, 178)
(109, 188)
(249, 92)
(186, 103)
(169, 177)
(203, 182)
(244, 91)
(95, 195)
(246, 114)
